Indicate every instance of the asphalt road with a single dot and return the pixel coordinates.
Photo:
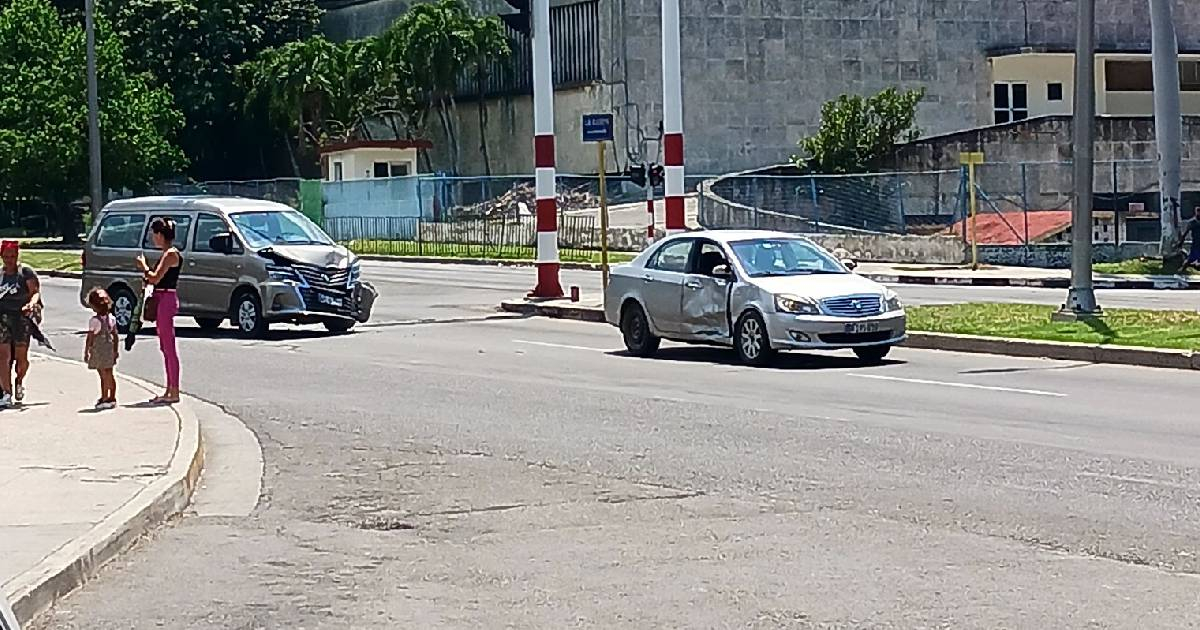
(447, 466)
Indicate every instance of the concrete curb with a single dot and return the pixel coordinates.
(70, 275)
(1162, 284)
(1089, 353)
(483, 262)
(77, 562)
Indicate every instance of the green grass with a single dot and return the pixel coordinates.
(1119, 327)
(1136, 266)
(462, 251)
(51, 260)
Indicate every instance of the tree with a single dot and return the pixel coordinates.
(43, 113)
(194, 47)
(858, 134)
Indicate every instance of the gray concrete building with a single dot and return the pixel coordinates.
(756, 72)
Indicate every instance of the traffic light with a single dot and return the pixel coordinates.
(656, 175)
(636, 174)
(518, 21)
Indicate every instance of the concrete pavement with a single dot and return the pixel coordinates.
(78, 486)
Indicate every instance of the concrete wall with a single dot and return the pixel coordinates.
(1059, 256)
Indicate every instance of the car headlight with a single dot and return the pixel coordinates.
(796, 305)
(354, 275)
(280, 273)
(891, 302)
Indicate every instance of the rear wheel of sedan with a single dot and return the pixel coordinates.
(751, 340)
(635, 328)
(872, 354)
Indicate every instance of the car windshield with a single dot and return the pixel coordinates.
(784, 257)
(264, 229)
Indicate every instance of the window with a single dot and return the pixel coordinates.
(1128, 76)
(208, 226)
(264, 229)
(338, 171)
(1054, 92)
(382, 169)
(399, 169)
(120, 231)
(1011, 102)
(182, 223)
(710, 257)
(784, 257)
(1189, 76)
(672, 257)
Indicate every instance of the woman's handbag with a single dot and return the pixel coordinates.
(149, 305)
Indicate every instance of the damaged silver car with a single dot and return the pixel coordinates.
(757, 292)
(247, 261)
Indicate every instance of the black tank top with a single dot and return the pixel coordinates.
(170, 279)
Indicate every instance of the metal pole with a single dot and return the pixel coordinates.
(1081, 297)
(548, 285)
(93, 96)
(603, 221)
(675, 216)
(649, 207)
(974, 203)
(1168, 126)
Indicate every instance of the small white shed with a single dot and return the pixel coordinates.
(371, 159)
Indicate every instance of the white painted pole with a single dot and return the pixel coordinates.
(673, 173)
(1168, 123)
(548, 285)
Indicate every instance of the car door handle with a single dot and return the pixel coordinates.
(647, 278)
(693, 284)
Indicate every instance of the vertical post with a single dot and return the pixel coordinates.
(974, 202)
(900, 202)
(1168, 126)
(603, 220)
(1116, 192)
(649, 207)
(1025, 200)
(93, 96)
(548, 285)
(816, 201)
(672, 119)
(1081, 297)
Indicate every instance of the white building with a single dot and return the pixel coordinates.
(371, 159)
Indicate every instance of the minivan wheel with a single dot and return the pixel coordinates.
(248, 315)
(123, 303)
(639, 341)
(338, 326)
(872, 354)
(208, 324)
(751, 340)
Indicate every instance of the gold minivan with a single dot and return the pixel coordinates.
(249, 261)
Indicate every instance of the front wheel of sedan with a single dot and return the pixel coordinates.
(751, 340)
(635, 328)
(872, 354)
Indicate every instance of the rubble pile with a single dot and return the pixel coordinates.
(521, 200)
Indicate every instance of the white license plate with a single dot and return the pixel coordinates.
(862, 327)
(329, 300)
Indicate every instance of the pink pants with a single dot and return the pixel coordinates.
(164, 324)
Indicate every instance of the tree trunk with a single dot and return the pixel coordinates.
(1168, 129)
(287, 142)
(483, 121)
(451, 138)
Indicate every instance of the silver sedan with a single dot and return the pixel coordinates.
(757, 292)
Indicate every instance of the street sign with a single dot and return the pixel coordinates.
(597, 127)
(974, 158)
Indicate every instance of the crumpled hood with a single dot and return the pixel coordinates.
(820, 287)
(324, 256)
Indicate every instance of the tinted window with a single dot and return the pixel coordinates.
(710, 257)
(120, 230)
(672, 257)
(182, 223)
(208, 226)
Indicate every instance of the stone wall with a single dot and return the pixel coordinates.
(1059, 256)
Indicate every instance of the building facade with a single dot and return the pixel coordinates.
(756, 72)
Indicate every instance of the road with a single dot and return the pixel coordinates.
(448, 466)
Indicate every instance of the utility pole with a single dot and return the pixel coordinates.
(93, 96)
(676, 216)
(1168, 127)
(1081, 297)
(548, 285)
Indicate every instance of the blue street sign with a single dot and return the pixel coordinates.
(597, 127)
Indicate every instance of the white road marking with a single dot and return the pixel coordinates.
(563, 346)
(919, 381)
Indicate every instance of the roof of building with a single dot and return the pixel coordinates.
(376, 144)
(1009, 228)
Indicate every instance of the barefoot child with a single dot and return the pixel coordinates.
(100, 349)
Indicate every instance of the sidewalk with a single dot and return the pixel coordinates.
(78, 487)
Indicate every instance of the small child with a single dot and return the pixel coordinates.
(101, 348)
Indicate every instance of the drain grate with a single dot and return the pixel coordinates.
(385, 524)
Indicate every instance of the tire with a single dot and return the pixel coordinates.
(123, 303)
(635, 329)
(338, 326)
(872, 354)
(247, 315)
(209, 324)
(751, 341)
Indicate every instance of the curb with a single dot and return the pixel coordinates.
(1164, 284)
(72, 565)
(1058, 350)
(483, 262)
(70, 275)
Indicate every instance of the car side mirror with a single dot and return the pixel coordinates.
(722, 271)
(221, 243)
(850, 264)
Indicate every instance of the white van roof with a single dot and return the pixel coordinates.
(185, 203)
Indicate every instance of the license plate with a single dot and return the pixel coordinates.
(329, 300)
(862, 327)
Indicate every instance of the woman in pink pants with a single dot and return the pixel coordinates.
(165, 279)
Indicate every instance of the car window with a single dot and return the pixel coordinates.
(182, 224)
(784, 257)
(208, 226)
(120, 230)
(672, 256)
(711, 255)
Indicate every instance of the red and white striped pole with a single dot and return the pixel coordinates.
(548, 285)
(672, 118)
(649, 207)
